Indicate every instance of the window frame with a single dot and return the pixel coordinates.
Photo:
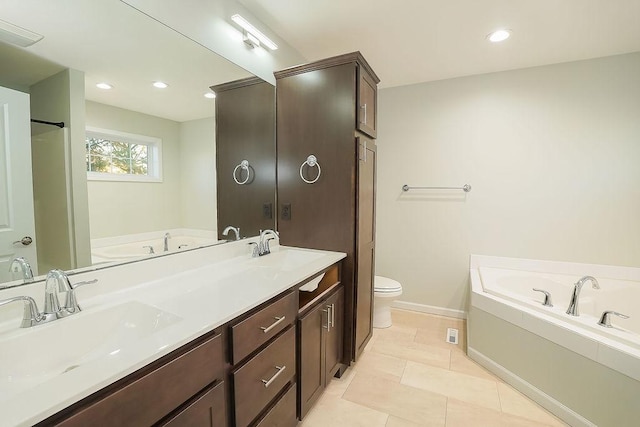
(154, 155)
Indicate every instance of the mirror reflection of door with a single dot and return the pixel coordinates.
(16, 200)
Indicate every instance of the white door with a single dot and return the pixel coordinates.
(16, 188)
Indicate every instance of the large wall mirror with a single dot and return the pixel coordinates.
(132, 171)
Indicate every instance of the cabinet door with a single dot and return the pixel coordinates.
(365, 237)
(367, 104)
(209, 409)
(311, 374)
(333, 336)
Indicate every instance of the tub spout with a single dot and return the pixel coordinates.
(573, 304)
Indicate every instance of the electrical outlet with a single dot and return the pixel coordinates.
(267, 211)
(285, 212)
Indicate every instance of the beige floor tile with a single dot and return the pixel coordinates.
(331, 411)
(370, 343)
(381, 365)
(395, 333)
(460, 362)
(463, 387)
(437, 336)
(401, 401)
(461, 414)
(515, 403)
(414, 351)
(337, 386)
(401, 422)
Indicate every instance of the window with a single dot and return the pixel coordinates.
(119, 156)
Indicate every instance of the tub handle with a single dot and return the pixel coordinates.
(605, 319)
(547, 297)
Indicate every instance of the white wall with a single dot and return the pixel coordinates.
(552, 154)
(198, 172)
(117, 208)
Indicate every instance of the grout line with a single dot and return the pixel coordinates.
(499, 397)
(446, 410)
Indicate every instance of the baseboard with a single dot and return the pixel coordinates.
(549, 403)
(423, 308)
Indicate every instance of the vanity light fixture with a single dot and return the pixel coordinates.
(210, 95)
(103, 85)
(19, 36)
(252, 34)
(160, 85)
(499, 36)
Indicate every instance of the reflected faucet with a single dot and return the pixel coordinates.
(25, 268)
(573, 304)
(236, 230)
(167, 236)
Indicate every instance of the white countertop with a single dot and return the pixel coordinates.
(197, 292)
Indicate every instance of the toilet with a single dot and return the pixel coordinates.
(385, 291)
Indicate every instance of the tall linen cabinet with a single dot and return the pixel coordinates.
(327, 109)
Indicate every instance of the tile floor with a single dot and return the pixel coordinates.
(409, 376)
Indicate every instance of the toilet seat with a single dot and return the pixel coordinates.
(384, 285)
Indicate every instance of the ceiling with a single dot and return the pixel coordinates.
(406, 42)
(412, 41)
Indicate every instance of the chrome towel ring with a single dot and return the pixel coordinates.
(311, 162)
(244, 165)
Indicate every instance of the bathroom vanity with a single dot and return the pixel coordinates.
(209, 337)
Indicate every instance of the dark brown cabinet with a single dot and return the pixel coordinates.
(207, 410)
(328, 109)
(320, 335)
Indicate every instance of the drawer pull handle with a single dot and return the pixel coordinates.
(273, 325)
(268, 382)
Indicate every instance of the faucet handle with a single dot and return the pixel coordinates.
(547, 297)
(71, 303)
(605, 319)
(30, 316)
(255, 251)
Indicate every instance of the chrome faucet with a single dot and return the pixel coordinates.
(52, 308)
(151, 251)
(25, 268)
(263, 246)
(167, 236)
(573, 304)
(236, 230)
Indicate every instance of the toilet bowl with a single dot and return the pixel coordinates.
(385, 291)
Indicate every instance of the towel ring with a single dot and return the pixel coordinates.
(244, 165)
(311, 161)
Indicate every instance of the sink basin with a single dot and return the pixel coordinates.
(287, 260)
(35, 355)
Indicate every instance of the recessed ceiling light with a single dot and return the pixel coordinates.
(210, 95)
(105, 86)
(499, 35)
(160, 85)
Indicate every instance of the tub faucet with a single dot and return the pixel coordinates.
(577, 287)
(25, 268)
(167, 236)
(229, 228)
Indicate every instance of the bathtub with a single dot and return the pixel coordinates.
(549, 355)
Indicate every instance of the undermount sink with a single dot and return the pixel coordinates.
(35, 355)
(287, 260)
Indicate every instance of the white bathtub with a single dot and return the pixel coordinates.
(503, 302)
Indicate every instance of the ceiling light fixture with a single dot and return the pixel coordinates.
(210, 95)
(105, 86)
(499, 35)
(160, 85)
(252, 34)
(13, 34)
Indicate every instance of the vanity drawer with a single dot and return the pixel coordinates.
(147, 399)
(262, 378)
(283, 414)
(260, 327)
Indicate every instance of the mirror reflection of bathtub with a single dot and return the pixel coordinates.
(134, 246)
